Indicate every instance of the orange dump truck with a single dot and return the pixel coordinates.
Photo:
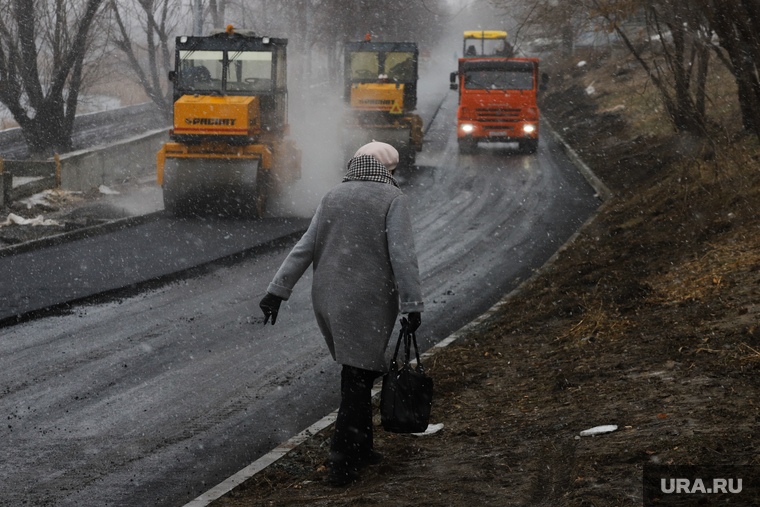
(497, 94)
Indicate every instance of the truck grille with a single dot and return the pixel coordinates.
(501, 115)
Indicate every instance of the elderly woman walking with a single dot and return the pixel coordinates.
(361, 245)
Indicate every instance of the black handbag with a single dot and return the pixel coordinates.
(407, 394)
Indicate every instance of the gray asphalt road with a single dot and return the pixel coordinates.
(152, 398)
(39, 279)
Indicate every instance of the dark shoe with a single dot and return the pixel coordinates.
(341, 476)
(369, 459)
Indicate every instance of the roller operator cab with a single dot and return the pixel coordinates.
(380, 89)
(486, 43)
(228, 151)
(497, 97)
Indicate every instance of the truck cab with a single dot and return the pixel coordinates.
(497, 98)
(235, 71)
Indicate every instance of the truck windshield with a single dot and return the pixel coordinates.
(201, 70)
(365, 65)
(498, 80)
(485, 47)
(249, 71)
(398, 66)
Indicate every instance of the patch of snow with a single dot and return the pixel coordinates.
(432, 428)
(36, 199)
(43, 198)
(582, 63)
(598, 430)
(17, 220)
(23, 180)
(614, 109)
(105, 190)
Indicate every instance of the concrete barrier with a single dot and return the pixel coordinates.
(112, 163)
(29, 168)
(84, 169)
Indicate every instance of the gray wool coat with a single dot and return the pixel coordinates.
(361, 244)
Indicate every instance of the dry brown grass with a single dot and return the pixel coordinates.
(600, 321)
(7, 123)
(706, 276)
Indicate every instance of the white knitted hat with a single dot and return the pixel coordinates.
(383, 152)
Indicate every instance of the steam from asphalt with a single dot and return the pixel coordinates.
(316, 117)
(145, 198)
(317, 109)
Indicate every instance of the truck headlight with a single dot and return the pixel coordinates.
(529, 128)
(467, 127)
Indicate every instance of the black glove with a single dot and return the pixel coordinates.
(415, 319)
(270, 305)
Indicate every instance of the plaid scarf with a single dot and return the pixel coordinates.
(367, 168)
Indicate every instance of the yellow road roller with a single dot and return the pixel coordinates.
(229, 149)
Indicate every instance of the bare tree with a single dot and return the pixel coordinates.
(217, 9)
(43, 56)
(673, 49)
(549, 19)
(150, 52)
(324, 25)
(737, 23)
(682, 35)
(145, 30)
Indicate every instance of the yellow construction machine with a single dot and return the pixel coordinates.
(229, 150)
(486, 43)
(380, 80)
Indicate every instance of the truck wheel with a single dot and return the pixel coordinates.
(467, 145)
(214, 187)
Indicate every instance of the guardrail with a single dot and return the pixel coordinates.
(44, 174)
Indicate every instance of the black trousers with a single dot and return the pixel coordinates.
(353, 427)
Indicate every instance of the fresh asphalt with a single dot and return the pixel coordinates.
(153, 396)
(50, 279)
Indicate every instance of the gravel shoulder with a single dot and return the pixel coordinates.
(55, 212)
